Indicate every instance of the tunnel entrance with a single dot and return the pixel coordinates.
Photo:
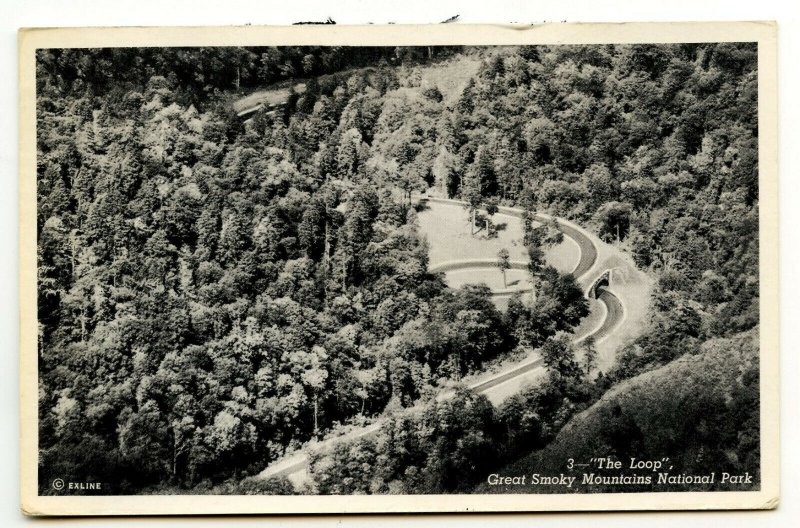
(602, 281)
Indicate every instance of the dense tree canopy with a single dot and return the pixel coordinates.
(213, 292)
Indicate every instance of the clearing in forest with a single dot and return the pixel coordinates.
(447, 228)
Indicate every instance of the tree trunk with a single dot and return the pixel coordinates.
(175, 456)
(72, 255)
(472, 224)
(316, 410)
(327, 259)
(113, 268)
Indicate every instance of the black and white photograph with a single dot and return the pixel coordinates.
(508, 270)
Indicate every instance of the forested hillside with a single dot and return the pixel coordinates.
(700, 410)
(214, 292)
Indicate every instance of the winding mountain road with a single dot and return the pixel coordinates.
(614, 316)
(588, 250)
(295, 466)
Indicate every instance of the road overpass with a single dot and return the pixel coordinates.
(594, 281)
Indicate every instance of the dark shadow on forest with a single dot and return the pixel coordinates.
(421, 206)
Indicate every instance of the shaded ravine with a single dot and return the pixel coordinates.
(296, 464)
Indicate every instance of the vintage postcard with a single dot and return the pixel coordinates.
(324, 269)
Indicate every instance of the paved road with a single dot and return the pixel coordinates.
(454, 265)
(511, 374)
(298, 463)
(587, 249)
(614, 315)
(481, 264)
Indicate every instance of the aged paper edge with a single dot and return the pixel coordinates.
(763, 32)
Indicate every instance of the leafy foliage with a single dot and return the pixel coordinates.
(213, 293)
(701, 411)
